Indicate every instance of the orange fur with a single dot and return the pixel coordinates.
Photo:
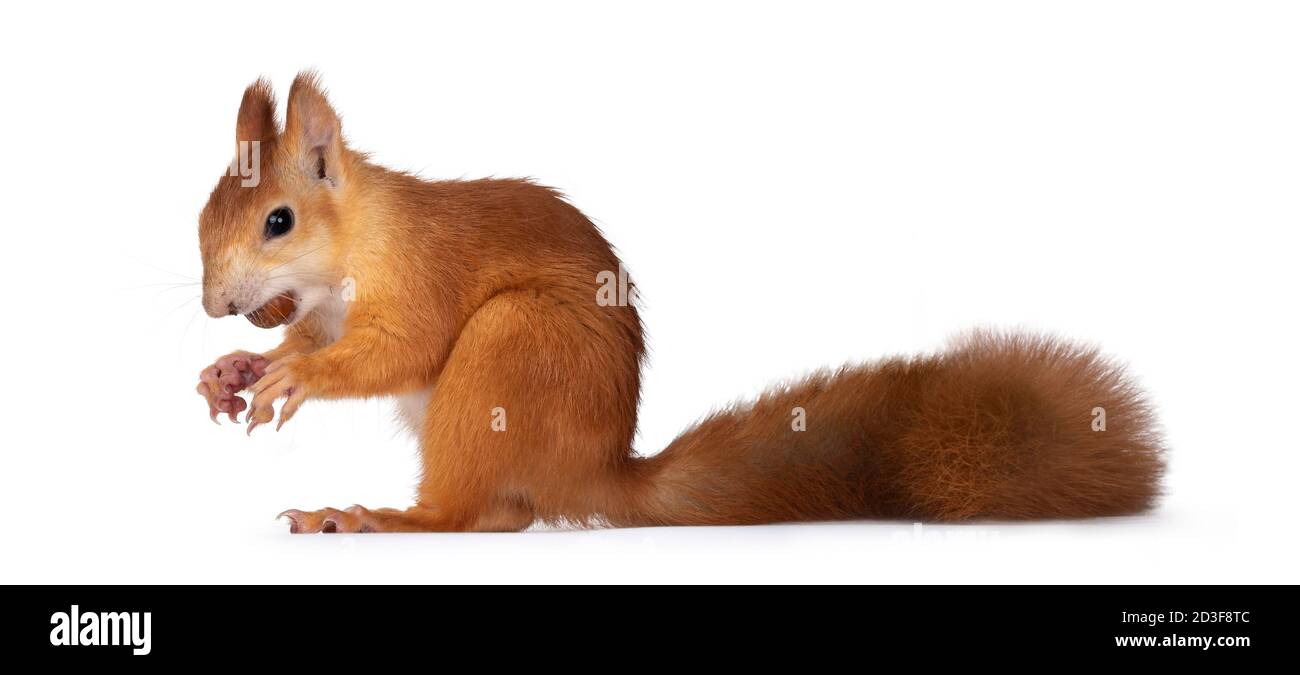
(477, 299)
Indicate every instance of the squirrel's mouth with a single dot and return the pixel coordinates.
(277, 312)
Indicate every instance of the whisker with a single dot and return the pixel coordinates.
(190, 324)
(178, 288)
(187, 301)
(307, 272)
(301, 255)
(168, 284)
(302, 275)
(175, 274)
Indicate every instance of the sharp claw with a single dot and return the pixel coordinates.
(234, 416)
(253, 425)
(212, 413)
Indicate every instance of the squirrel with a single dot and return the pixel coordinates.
(474, 303)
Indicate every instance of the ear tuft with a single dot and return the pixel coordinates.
(315, 128)
(257, 114)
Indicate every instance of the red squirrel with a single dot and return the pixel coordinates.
(475, 303)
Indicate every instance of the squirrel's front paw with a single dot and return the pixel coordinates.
(282, 379)
(230, 374)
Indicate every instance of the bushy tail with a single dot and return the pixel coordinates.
(1000, 426)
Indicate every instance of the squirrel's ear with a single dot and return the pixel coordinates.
(314, 128)
(257, 114)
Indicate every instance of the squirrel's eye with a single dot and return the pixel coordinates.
(279, 222)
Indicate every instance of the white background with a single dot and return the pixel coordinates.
(791, 185)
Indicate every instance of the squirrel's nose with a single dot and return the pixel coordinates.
(231, 309)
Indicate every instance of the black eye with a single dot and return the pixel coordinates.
(279, 222)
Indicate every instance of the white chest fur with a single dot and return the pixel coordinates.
(331, 313)
(411, 407)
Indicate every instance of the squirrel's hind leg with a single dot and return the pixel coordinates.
(531, 419)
